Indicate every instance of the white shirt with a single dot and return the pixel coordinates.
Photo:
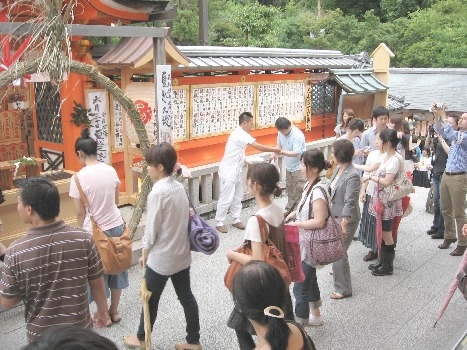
(272, 214)
(373, 157)
(99, 182)
(166, 232)
(230, 167)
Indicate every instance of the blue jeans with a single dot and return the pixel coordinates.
(438, 219)
(181, 282)
(306, 292)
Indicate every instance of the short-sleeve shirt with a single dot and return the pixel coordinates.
(394, 165)
(49, 268)
(99, 182)
(373, 157)
(232, 162)
(339, 130)
(272, 214)
(295, 142)
(302, 214)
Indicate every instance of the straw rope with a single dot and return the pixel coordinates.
(28, 67)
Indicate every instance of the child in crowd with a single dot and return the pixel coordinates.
(422, 172)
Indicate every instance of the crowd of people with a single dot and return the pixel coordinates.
(39, 265)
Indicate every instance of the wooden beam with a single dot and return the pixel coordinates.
(18, 28)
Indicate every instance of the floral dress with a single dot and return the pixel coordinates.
(392, 165)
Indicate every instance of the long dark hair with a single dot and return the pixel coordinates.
(258, 286)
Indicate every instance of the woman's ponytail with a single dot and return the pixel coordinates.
(278, 332)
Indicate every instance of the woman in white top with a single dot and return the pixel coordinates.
(101, 186)
(341, 128)
(390, 168)
(367, 230)
(262, 183)
(421, 174)
(166, 245)
(307, 293)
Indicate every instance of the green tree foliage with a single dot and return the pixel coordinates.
(435, 37)
(353, 8)
(259, 25)
(421, 33)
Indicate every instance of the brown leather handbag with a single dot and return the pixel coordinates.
(271, 255)
(115, 252)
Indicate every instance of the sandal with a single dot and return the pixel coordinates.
(187, 346)
(126, 341)
(336, 296)
(115, 318)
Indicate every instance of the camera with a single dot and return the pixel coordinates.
(438, 105)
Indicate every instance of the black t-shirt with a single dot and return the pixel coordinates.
(440, 158)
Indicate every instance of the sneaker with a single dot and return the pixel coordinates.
(431, 231)
(315, 321)
(222, 229)
(304, 322)
(239, 225)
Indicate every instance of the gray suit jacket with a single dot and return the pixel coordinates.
(345, 196)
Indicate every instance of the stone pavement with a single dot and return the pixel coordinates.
(392, 312)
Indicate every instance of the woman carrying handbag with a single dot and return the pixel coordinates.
(101, 186)
(390, 168)
(166, 247)
(307, 293)
(345, 190)
(262, 183)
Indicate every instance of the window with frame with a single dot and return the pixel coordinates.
(323, 98)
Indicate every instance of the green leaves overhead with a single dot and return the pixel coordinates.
(421, 33)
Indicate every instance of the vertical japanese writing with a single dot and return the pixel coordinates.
(164, 103)
(217, 109)
(99, 129)
(118, 124)
(281, 100)
(179, 109)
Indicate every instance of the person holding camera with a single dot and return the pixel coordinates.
(438, 161)
(454, 181)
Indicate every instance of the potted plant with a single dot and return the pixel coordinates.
(30, 164)
(80, 115)
(16, 100)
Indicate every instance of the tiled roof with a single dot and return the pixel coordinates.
(423, 86)
(358, 81)
(396, 103)
(136, 50)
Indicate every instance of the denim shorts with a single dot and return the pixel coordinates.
(119, 281)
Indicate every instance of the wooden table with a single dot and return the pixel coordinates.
(7, 169)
